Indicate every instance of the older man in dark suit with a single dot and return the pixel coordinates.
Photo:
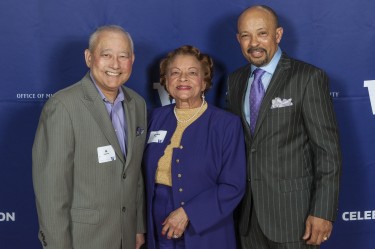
(294, 158)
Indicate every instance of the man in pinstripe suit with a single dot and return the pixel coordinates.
(87, 154)
(294, 158)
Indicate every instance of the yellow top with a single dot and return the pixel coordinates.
(163, 172)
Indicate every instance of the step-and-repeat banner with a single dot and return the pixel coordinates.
(42, 44)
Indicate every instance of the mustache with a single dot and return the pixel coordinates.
(250, 50)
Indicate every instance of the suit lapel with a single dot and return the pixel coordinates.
(244, 78)
(243, 81)
(97, 109)
(129, 108)
(278, 80)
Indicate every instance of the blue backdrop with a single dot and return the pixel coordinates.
(42, 44)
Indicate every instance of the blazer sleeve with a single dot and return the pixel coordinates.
(320, 123)
(52, 173)
(218, 202)
(141, 206)
(141, 199)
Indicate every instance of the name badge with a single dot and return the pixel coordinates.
(157, 137)
(106, 154)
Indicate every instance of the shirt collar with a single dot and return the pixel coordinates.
(120, 95)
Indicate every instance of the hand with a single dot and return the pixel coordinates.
(139, 240)
(317, 230)
(175, 224)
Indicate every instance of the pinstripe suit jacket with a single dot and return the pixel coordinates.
(294, 158)
(82, 203)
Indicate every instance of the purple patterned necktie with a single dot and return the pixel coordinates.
(256, 96)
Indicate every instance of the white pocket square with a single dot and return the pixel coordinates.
(279, 103)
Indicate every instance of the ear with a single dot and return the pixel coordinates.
(279, 34)
(166, 86)
(88, 58)
(204, 86)
(238, 38)
(133, 58)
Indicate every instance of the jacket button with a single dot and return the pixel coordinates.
(182, 203)
(181, 147)
(123, 176)
(248, 179)
(180, 189)
(253, 150)
(177, 160)
(123, 209)
(179, 175)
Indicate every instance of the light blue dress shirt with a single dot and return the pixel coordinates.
(266, 79)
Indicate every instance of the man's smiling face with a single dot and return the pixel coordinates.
(110, 61)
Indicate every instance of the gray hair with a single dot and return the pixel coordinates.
(114, 28)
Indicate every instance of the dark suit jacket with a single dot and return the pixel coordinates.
(294, 158)
(82, 203)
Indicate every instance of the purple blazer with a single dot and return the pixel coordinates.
(209, 167)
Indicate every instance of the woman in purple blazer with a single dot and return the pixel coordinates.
(195, 161)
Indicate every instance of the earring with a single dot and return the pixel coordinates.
(203, 97)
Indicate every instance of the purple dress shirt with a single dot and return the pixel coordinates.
(117, 116)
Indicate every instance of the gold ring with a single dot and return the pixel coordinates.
(175, 236)
(325, 238)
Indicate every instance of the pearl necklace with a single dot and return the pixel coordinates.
(187, 120)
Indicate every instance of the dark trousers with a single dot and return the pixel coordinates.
(256, 239)
(162, 207)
